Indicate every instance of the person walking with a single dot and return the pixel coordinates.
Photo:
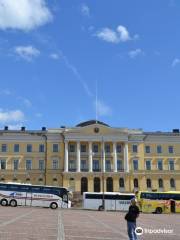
(130, 217)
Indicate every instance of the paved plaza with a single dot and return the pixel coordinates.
(69, 224)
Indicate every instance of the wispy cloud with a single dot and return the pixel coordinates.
(27, 52)
(5, 92)
(102, 108)
(121, 34)
(26, 102)
(175, 62)
(54, 56)
(135, 53)
(85, 10)
(11, 116)
(23, 14)
(38, 115)
(15, 126)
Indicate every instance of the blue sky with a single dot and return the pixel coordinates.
(54, 53)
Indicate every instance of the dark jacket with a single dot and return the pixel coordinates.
(132, 214)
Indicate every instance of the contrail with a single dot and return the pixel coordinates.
(77, 75)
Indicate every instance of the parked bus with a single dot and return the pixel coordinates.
(112, 200)
(14, 194)
(159, 202)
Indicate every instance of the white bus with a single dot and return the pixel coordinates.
(14, 194)
(112, 200)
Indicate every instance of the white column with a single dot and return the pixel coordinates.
(90, 157)
(114, 156)
(78, 163)
(103, 158)
(66, 157)
(126, 158)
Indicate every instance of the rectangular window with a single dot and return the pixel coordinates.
(16, 147)
(160, 164)
(29, 147)
(41, 164)
(171, 164)
(108, 165)
(148, 164)
(72, 148)
(55, 147)
(147, 149)
(107, 148)
(170, 149)
(4, 148)
(55, 164)
(95, 148)
(28, 164)
(83, 165)
(159, 149)
(72, 165)
(3, 164)
(16, 164)
(134, 148)
(41, 147)
(120, 165)
(83, 148)
(118, 148)
(135, 165)
(96, 165)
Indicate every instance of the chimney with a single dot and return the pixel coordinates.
(23, 128)
(175, 130)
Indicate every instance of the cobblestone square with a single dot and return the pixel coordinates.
(70, 224)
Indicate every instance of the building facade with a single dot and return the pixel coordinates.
(92, 157)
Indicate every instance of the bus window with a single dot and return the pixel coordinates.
(93, 196)
(3, 186)
(174, 196)
(125, 197)
(47, 190)
(25, 188)
(14, 188)
(36, 189)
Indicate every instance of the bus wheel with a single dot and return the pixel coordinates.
(159, 210)
(100, 208)
(4, 202)
(53, 205)
(13, 203)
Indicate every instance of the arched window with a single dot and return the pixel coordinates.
(97, 184)
(136, 183)
(160, 182)
(121, 182)
(172, 183)
(84, 185)
(148, 183)
(109, 184)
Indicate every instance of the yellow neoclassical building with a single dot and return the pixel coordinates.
(92, 156)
